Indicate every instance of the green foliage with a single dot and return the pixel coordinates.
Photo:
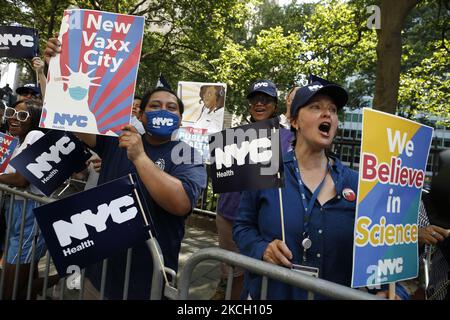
(33, 14)
(237, 42)
(272, 57)
(425, 78)
(193, 35)
(425, 89)
(329, 40)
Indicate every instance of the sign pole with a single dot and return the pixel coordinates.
(149, 231)
(280, 196)
(392, 291)
(281, 211)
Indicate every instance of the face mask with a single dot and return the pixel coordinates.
(77, 93)
(161, 123)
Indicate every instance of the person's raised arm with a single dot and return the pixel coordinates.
(165, 189)
(38, 66)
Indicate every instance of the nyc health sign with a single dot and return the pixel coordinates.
(246, 157)
(18, 42)
(90, 226)
(392, 168)
(51, 160)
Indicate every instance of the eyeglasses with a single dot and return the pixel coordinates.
(19, 115)
(264, 99)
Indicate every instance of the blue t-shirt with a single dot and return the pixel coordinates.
(169, 228)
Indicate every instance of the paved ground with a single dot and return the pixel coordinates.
(204, 279)
(206, 274)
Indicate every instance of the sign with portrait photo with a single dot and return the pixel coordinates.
(204, 105)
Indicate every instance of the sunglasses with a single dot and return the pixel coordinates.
(28, 93)
(264, 99)
(19, 115)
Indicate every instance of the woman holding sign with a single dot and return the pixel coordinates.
(23, 123)
(315, 235)
(263, 105)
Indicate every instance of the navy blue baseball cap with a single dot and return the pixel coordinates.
(304, 94)
(264, 86)
(29, 87)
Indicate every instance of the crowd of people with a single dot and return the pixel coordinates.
(318, 218)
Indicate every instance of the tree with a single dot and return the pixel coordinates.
(273, 56)
(425, 88)
(389, 52)
(185, 36)
(424, 79)
(237, 41)
(330, 40)
(180, 39)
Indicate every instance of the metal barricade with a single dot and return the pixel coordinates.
(267, 271)
(15, 286)
(160, 286)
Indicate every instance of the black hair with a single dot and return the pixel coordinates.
(137, 97)
(3, 124)
(220, 94)
(148, 94)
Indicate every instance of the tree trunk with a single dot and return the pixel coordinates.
(51, 24)
(389, 52)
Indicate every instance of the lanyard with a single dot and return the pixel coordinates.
(308, 208)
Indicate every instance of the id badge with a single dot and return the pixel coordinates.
(309, 271)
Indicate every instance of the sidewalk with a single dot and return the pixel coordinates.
(206, 274)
